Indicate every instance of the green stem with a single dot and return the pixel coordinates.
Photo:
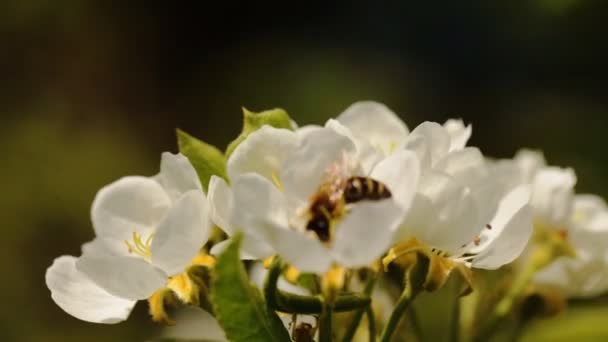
(371, 323)
(325, 323)
(407, 297)
(413, 286)
(292, 303)
(354, 323)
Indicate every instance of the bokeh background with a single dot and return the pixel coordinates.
(92, 91)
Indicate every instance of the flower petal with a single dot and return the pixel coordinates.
(263, 151)
(459, 134)
(82, 298)
(467, 166)
(305, 253)
(182, 233)
(306, 167)
(400, 173)
(365, 233)
(553, 195)
(177, 175)
(130, 204)
(122, 276)
(444, 214)
(220, 203)
(193, 323)
(367, 155)
(375, 124)
(252, 248)
(509, 231)
(430, 141)
(528, 163)
(257, 199)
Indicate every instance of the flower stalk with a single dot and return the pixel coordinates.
(415, 279)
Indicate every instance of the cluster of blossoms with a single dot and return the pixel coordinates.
(331, 212)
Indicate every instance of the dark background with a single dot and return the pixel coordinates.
(92, 90)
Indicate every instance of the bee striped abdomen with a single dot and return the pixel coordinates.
(364, 188)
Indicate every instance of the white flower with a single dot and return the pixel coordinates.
(463, 214)
(147, 231)
(271, 203)
(553, 196)
(585, 275)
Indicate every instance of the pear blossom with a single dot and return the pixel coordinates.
(580, 220)
(461, 208)
(378, 132)
(148, 230)
(585, 275)
(271, 195)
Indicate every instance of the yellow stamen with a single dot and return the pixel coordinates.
(292, 274)
(140, 247)
(268, 261)
(333, 281)
(276, 181)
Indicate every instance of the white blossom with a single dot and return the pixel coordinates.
(147, 231)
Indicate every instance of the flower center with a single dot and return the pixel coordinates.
(139, 246)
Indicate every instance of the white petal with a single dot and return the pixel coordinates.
(220, 203)
(553, 195)
(309, 163)
(366, 232)
(400, 173)
(376, 124)
(587, 205)
(510, 231)
(193, 323)
(182, 233)
(81, 298)
(252, 248)
(529, 162)
(305, 253)
(257, 199)
(467, 166)
(459, 134)
(103, 247)
(122, 276)
(177, 175)
(444, 214)
(367, 155)
(263, 151)
(131, 204)
(430, 141)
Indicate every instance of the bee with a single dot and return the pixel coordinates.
(303, 332)
(330, 200)
(364, 188)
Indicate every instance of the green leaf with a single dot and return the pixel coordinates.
(277, 118)
(206, 159)
(239, 305)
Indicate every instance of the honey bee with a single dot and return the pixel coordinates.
(330, 200)
(303, 332)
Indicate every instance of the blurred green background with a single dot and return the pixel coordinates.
(92, 91)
